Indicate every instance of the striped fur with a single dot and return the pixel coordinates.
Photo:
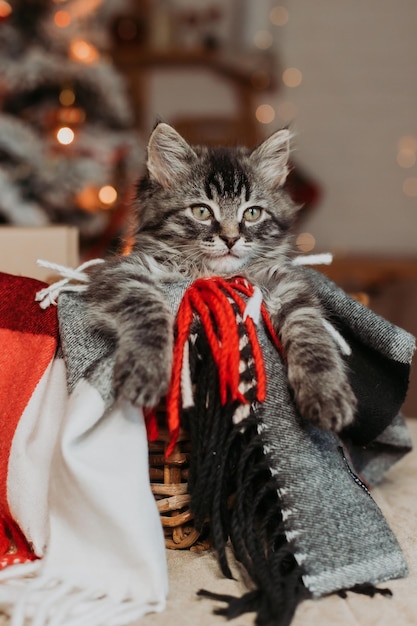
(201, 212)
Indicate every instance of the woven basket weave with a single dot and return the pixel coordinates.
(169, 484)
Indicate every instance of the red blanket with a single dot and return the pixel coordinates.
(28, 336)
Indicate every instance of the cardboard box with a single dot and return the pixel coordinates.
(21, 247)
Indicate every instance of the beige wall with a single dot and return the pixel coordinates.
(357, 98)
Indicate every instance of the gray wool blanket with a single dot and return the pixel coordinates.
(337, 534)
(338, 531)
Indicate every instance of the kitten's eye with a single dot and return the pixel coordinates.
(201, 212)
(252, 214)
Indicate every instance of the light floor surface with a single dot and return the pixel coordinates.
(397, 498)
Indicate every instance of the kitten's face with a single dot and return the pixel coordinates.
(227, 230)
(228, 219)
(219, 208)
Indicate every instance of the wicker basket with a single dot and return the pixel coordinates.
(169, 484)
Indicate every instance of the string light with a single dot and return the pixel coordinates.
(305, 242)
(87, 199)
(65, 135)
(292, 77)
(83, 51)
(265, 113)
(62, 19)
(279, 16)
(406, 158)
(5, 9)
(92, 199)
(67, 97)
(107, 195)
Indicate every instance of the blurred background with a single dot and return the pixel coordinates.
(82, 82)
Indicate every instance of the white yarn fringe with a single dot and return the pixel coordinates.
(253, 306)
(339, 340)
(186, 382)
(49, 295)
(25, 594)
(325, 258)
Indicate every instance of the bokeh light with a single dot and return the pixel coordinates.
(107, 195)
(406, 157)
(62, 19)
(83, 51)
(67, 97)
(87, 199)
(265, 114)
(305, 242)
(279, 16)
(5, 9)
(292, 77)
(65, 135)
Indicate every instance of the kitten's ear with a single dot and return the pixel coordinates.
(271, 157)
(169, 155)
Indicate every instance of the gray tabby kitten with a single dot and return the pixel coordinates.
(207, 212)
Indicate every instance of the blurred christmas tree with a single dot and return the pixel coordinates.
(67, 151)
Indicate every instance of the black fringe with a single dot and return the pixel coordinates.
(366, 589)
(230, 484)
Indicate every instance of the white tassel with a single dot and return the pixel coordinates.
(253, 306)
(326, 258)
(241, 413)
(51, 602)
(49, 295)
(186, 382)
(341, 342)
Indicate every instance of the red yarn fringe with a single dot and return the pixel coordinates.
(211, 300)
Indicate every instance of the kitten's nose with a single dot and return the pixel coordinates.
(229, 241)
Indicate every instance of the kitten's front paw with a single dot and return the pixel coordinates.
(142, 376)
(325, 399)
